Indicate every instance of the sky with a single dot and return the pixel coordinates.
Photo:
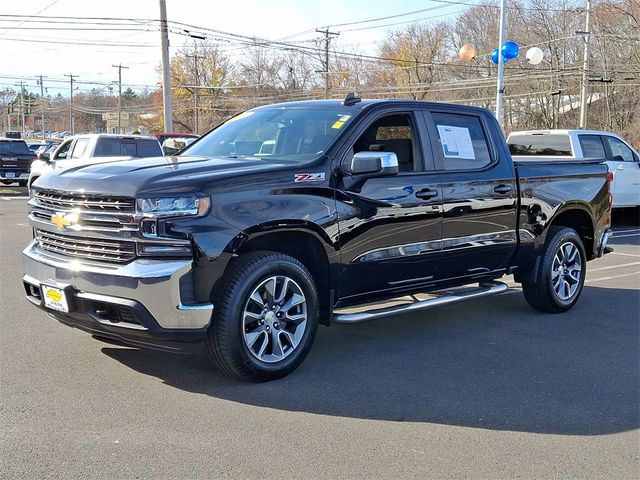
(29, 49)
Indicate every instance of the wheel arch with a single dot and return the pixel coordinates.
(579, 218)
(305, 245)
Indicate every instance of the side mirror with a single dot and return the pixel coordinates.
(44, 156)
(374, 164)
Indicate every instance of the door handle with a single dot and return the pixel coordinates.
(426, 193)
(620, 167)
(503, 188)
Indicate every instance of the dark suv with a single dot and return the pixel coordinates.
(15, 161)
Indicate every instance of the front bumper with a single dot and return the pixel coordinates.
(139, 303)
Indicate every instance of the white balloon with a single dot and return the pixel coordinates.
(534, 55)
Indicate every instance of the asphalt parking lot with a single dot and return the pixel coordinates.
(485, 389)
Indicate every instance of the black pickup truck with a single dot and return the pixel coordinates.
(15, 161)
(292, 215)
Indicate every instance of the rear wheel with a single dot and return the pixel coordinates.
(265, 317)
(559, 278)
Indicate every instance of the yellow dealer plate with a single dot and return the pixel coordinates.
(54, 298)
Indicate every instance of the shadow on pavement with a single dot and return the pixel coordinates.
(492, 364)
(625, 217)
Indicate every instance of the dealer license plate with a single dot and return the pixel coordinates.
(10, 174)
(54, 298)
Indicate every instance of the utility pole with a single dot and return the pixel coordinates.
(42, 103)
(327, 39)
(585, 68)
(119, 67)
(166, 79)
(500, 86)
(21, 104)
(72, 122)
(196, 98)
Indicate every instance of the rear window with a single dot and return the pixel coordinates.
(14, 148)
(123, 147)
(546, 145)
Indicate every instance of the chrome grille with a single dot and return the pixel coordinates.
(95, 203)
(97, 249)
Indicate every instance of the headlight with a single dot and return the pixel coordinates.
(173, 206)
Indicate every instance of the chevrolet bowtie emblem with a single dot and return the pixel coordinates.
(62, 220)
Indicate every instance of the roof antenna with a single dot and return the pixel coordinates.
(351, 99)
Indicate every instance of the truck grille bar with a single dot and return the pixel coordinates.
(112, 251)
(93, 203)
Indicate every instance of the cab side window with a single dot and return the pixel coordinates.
(591, 146)
(393, 133)
(461, 141)
(619, 151)
(62, 153)
(80, 148)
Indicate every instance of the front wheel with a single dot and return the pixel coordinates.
(265, 317)
(559, 278)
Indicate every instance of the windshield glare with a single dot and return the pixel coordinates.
(279, 134)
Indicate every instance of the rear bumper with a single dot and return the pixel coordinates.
(14, 176)
(138, 303)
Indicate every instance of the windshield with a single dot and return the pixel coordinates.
(282, 134)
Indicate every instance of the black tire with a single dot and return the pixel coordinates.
(227, 341)
(22, 183)
(540, 293)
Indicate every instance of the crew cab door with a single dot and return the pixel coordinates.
(623, 162)
(479, 188)
(390, 226)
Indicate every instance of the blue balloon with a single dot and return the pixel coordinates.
(510, 50)
(494, 56)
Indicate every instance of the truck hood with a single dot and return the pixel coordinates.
(152, 175)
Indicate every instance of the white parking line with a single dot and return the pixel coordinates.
(614, 266)
(613, 277)
(625, 254)
(6, 199)
(630, 235)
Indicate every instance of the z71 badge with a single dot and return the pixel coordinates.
(308, 177)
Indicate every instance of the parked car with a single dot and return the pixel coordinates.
(94, 148)
(35, 146)
(355, 201)
(559, 145)
(15, 161)
(163, 136)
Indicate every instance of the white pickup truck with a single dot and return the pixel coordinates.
(94, 148)
(623, 161)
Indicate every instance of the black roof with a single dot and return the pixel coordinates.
(364, 103)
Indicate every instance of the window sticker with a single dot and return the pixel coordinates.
(456, 142)
(338, 124)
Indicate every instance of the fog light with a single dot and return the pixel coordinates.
(147, 249)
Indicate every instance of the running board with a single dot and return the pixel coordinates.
(485, 289)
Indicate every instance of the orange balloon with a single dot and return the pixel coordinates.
(467, 52)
